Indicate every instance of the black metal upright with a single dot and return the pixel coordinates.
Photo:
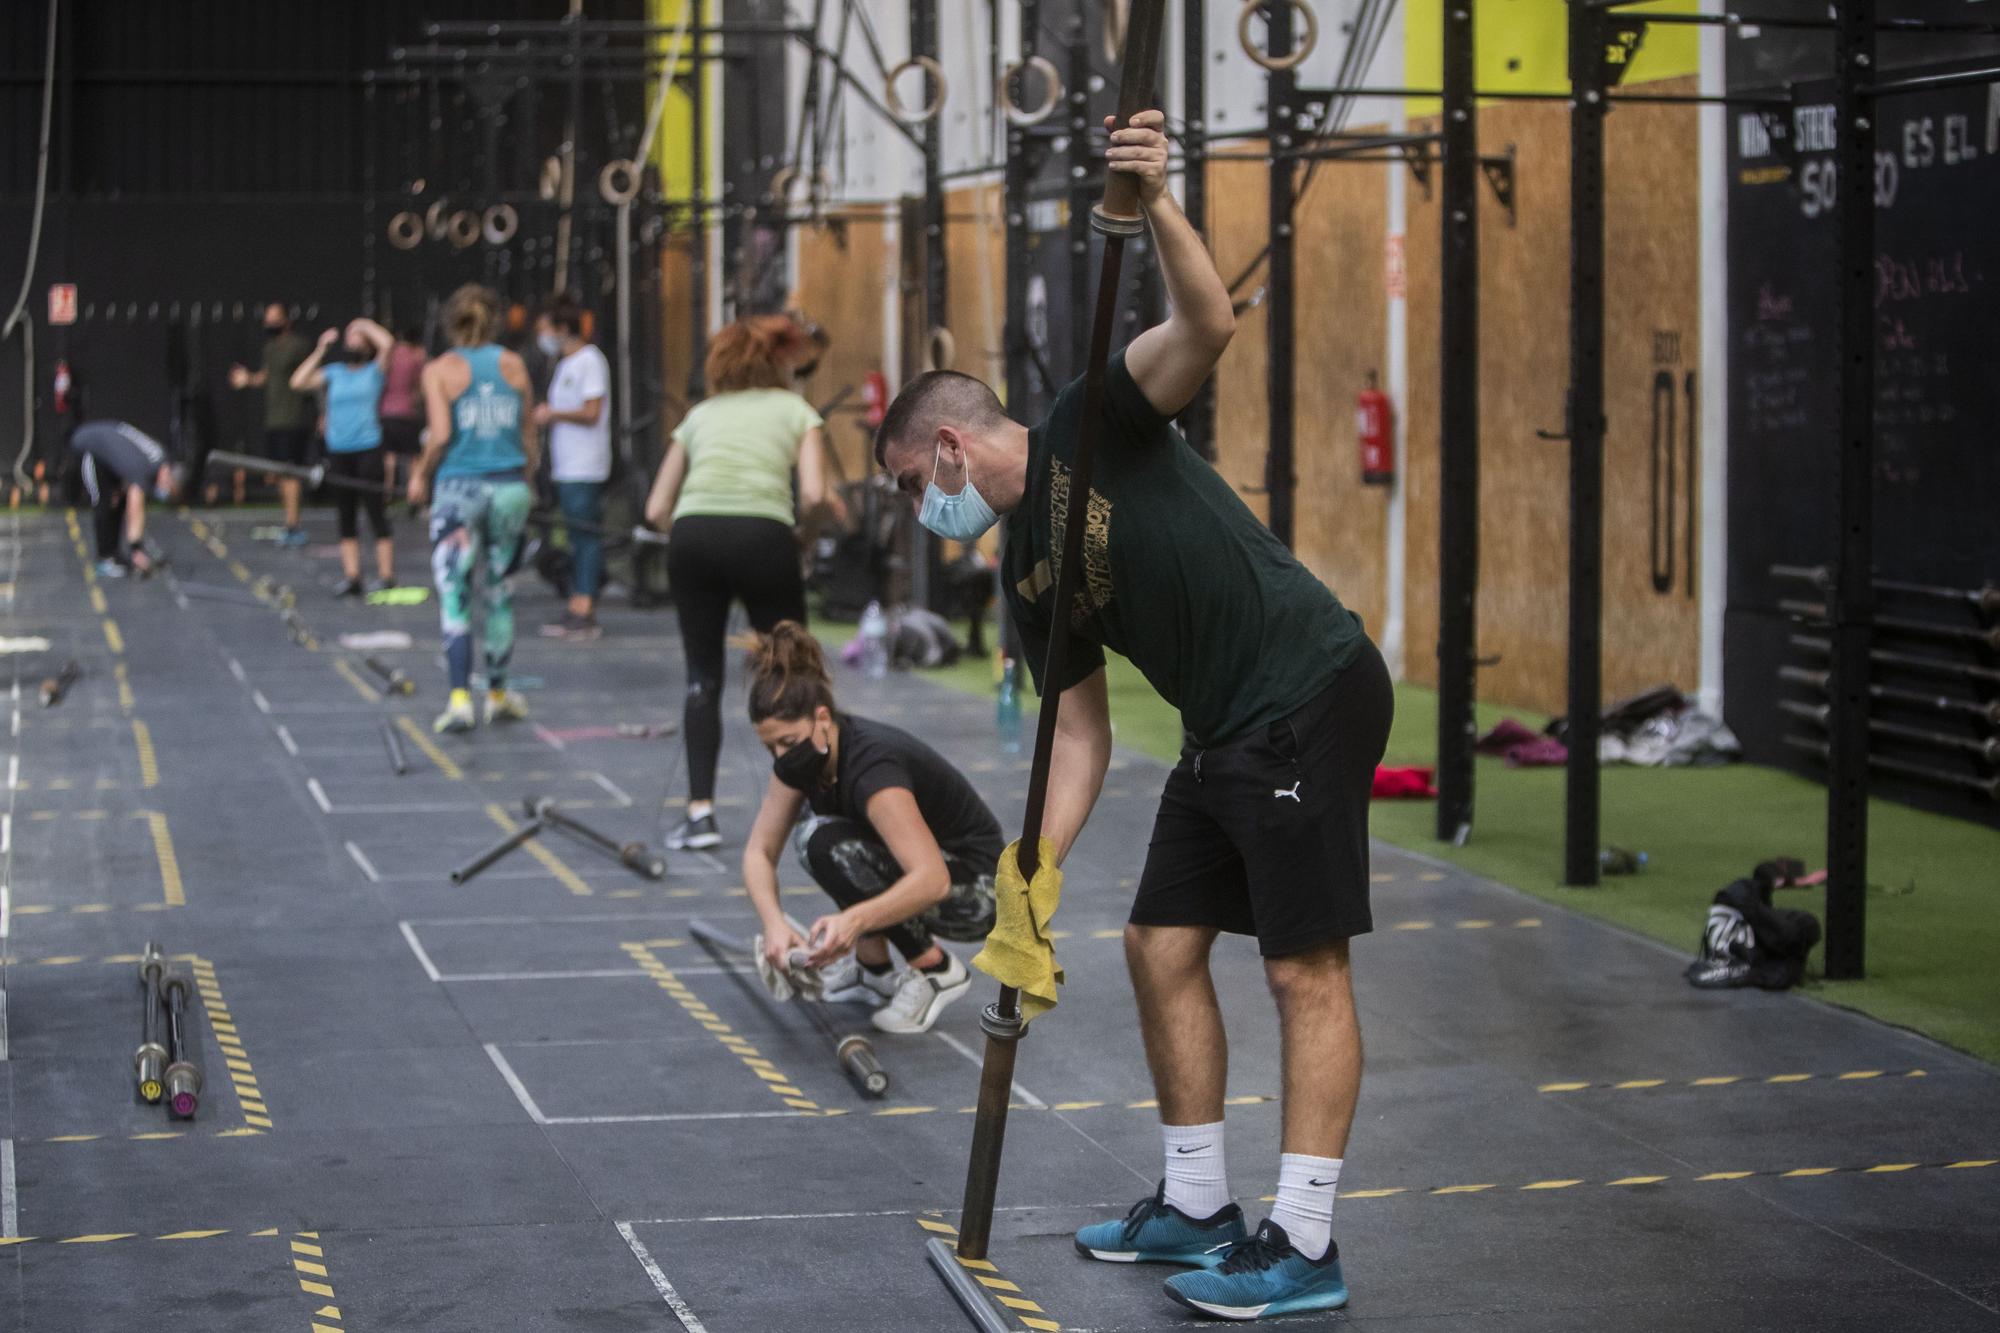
(926, 555)
(1458, 426)
(1280, 122)
(1586, 440)
(1020, 174)
(1083, 161)
(1850, 601)
(1198, 417)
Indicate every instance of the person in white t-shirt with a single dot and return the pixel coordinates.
(577, 416)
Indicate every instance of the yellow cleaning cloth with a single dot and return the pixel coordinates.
(1018, 952)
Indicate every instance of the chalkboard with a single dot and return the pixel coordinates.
(1936, 191)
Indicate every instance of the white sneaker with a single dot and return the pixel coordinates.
(921, 996)
(505, 706)
(847, 982)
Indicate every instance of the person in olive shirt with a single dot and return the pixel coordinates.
(1263, 826)
(898, 839)
(288, 413)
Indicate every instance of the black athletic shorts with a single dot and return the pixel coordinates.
(289, 445)
(1268, 835)
(399, 434)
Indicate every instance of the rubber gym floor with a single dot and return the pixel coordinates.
(532, 1102)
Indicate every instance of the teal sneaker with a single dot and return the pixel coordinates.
(1260, 1276)
(1156, 1232)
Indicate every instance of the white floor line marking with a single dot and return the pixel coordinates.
(712, 862)
(3, 1024)
(285, 739)
(6, 834)
(13, 772)
(660, 1283)
(10, 1213)
(319, 795)
(974, 1056)
(6, 929)
(514, 1082)
(617, 792)
(662, 914)
(236, 670)
(430, 968)
(836, 1217)
(263, 704)
(361, 859)
(681, 1117)
(549, 737)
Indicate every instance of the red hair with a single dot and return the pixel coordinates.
(756, 353)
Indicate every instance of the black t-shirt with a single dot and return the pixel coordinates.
(1178, 574)
(875, 756)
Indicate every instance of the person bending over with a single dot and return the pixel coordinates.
(897, 838)
(1263, 826)
(120, 464)
(353, 386)
(726, 487)
(288, 414)
(476, 400)
(577, 417)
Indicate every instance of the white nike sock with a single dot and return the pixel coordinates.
(1306, 1186)
(1197, 1174)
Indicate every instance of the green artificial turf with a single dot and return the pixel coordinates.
(1933, 905)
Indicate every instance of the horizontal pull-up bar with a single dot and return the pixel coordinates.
(604, 28)
(1520, 95)
(1916, 27)
(1922, 83)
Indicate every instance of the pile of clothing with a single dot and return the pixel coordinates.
(1656, 728)
(1750, 942)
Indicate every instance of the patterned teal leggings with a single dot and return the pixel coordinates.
(477, 521)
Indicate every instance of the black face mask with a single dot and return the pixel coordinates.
(801, 767)
(357, 355)
(273, 330)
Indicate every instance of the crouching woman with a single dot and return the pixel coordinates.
(897, 837)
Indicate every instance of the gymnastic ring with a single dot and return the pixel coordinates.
(434, 220)
(1307, 41)
(499, 224)
(895, 103)
(620, 180)
(1052, 85)
(940, 349)
(781, 185)
(462, 229)
(406, 230)
(549, 185)
(1111, 32)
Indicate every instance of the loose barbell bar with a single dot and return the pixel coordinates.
(854, 1052)
(636, 857)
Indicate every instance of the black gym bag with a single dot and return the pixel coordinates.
(1748, 942)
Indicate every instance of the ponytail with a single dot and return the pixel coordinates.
(788, 679)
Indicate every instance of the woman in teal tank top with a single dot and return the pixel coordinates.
(477, 398)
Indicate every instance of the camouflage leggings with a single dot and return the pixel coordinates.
(477, 522)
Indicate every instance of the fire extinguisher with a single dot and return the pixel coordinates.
(1374, 426)
(62, 386)
(875, 397)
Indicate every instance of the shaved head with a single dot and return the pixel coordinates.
(934, 399)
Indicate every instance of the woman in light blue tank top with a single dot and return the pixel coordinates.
(477, 398)
(348, 369)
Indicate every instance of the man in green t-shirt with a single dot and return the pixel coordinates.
(1263, 826)
(289, 414)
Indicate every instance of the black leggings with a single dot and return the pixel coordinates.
(712, 562)
(364, 466)
(851, 863)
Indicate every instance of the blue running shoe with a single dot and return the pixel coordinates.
(1260, 1276)
(1156, 1232)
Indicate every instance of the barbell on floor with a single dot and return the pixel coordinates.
(854, 1052)
(636, 857)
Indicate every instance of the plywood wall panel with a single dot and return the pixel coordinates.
(1652, 265)
(842, 269)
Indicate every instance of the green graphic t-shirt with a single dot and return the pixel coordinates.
(1178, 574)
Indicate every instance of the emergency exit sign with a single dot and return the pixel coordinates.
(62, 303)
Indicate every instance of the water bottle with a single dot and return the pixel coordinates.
(874, 642)
(1007, 712)
(1618, 861)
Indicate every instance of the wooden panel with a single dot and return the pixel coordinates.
(841, 272)
(1339, 329)
(1237, 219)
(1341, 326)
(976, 282)
(1653, 284)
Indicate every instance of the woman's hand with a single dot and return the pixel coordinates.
(543, 414)
(1140, 149)
(418, 493)
(833, 937)
(326, 338)
(779, 941)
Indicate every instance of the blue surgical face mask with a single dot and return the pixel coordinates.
(963, 517)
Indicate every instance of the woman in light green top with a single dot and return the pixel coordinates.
(726, 488)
